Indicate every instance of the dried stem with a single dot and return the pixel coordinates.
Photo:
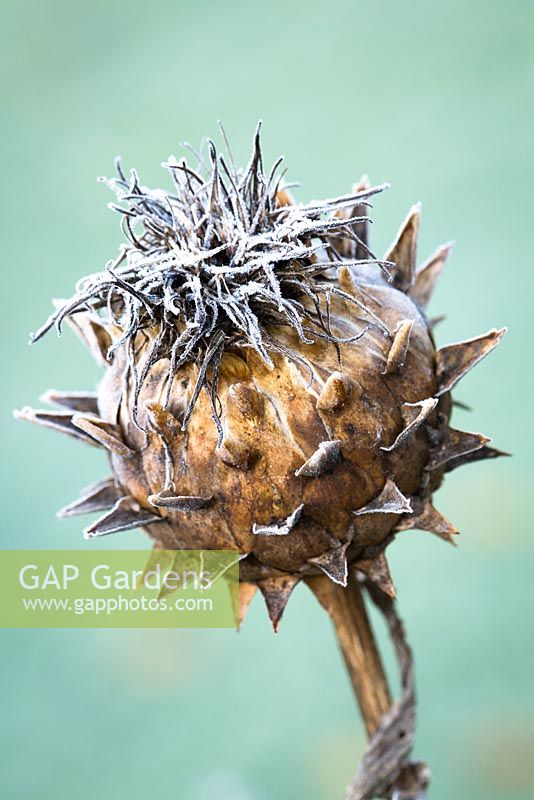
(356, 640)
(385, 769)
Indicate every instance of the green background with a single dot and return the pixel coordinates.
(435, 97)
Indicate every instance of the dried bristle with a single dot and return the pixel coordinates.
(217, 263)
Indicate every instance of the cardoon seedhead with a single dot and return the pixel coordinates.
(271, 385)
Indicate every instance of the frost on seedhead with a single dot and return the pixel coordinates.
(230, 302)
(219, 263)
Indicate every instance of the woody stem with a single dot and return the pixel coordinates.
(346, 608)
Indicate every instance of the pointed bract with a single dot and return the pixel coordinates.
(82, 402)
(414, 415)
(433, 322)
(335, 392)
(125, 515)
(246, 592)
(106, 434)
(97, 497)
(323, 460)
(175, 502)
(60, 421)
(360, 229)
(377, 570)
(455, 444)
(399, 348)
(93, 335)
(279, 528)
(456, 360)
(427, 518)
(427, 275)
(389, 501)
(333, 563)
(404, 250)
(276, 593)
(475, 455)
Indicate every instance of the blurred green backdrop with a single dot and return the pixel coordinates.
(437, 99)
